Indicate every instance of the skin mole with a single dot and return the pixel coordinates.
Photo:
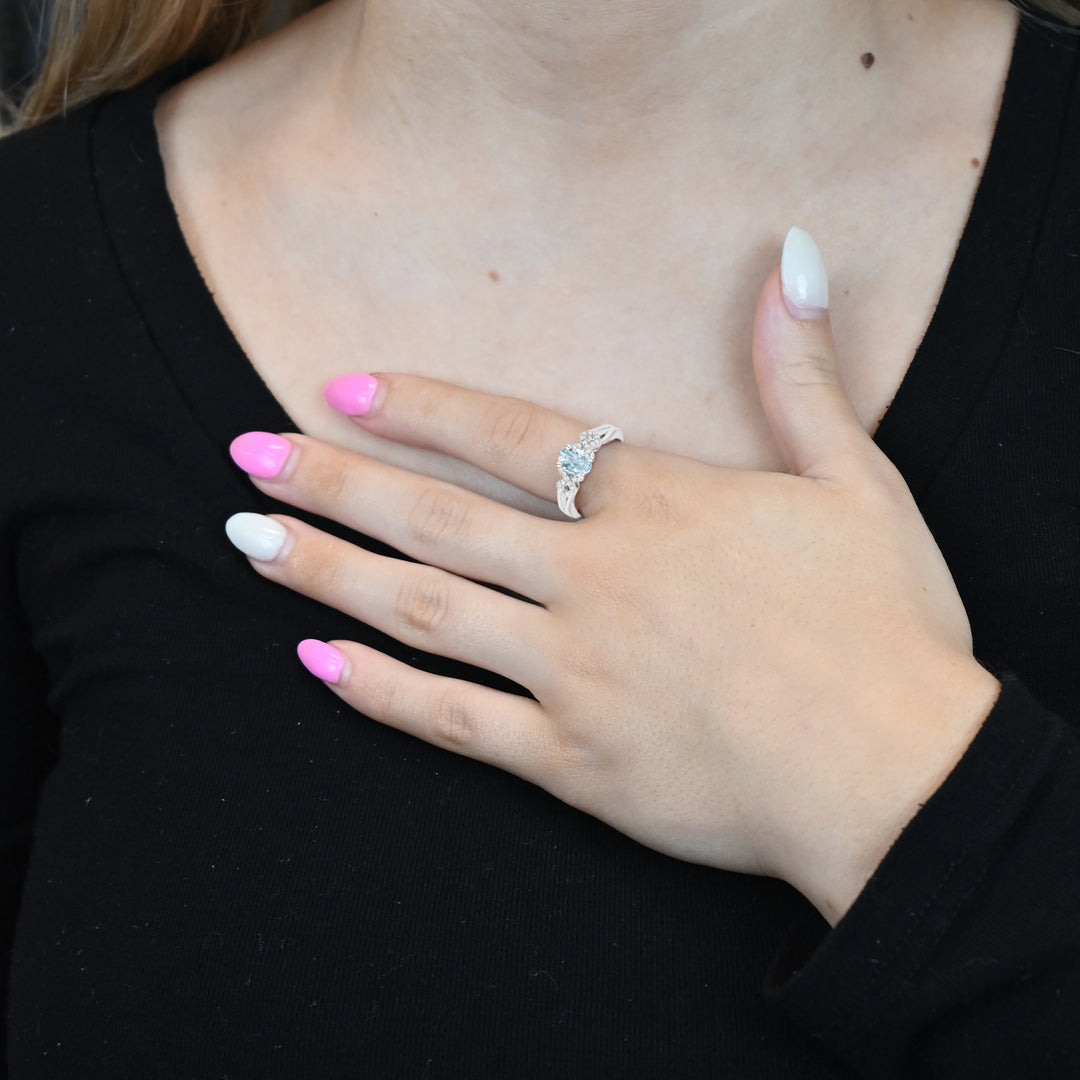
(868, 59)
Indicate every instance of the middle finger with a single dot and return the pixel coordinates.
(429, 520)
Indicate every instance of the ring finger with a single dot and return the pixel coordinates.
(428, 520)
(508, 438)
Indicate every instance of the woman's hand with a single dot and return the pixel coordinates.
(765, 672)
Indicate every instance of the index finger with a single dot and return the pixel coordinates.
(511, 439)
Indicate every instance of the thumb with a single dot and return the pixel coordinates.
(798, 380)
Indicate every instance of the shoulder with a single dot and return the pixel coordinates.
(61, 291)
(47, 205)
(43, 164)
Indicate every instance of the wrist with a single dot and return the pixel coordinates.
(920, 733)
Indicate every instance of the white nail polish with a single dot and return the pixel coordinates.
(802, 273)
(257, 536)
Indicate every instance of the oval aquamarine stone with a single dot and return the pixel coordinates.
(573, 461)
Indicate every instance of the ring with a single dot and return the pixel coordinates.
(575, 462)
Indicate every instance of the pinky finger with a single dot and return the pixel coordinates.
(501, 729)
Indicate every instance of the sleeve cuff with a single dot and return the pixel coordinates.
(908, 952)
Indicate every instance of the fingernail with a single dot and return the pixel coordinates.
(256, 535)
(260, 454)
(802, 274)
(351, 394)
(322, 660)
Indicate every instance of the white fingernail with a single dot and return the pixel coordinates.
(802, 273)
(256, 535)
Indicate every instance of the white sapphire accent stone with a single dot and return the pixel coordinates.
(576, 461)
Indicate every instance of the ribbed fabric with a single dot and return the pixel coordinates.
(978, 974)
(234, 876)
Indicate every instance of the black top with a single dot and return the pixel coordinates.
(232, 875)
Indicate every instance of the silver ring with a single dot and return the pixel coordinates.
(575, 463)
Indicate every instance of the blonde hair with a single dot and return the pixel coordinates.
(97, 47)
(100, 46)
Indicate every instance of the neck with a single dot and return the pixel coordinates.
(585, 79)
(575, 121)
(472, 97)
(593, 63)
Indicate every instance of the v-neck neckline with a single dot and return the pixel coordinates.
(962, 344)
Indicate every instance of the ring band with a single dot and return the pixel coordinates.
(575, 462)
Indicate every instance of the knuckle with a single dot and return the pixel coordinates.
(654, 505)
(584, 666)
(508, 428)
(315, 568)
(812, 368)
(659, 497)
(453, 724)
(438, 516)
(329, 481)
(426, 409)
(386, 699)
(423, 603)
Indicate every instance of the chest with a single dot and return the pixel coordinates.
(654, 339)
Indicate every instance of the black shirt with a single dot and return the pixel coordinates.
(228, 874)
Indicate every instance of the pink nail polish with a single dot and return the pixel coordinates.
(351, 394)
(260, 454)
(322, 660)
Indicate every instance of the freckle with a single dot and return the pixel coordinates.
(847, 292)
(494, 275)
(975, 162)
(868, 59)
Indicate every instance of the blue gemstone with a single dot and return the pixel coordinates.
(573, 461)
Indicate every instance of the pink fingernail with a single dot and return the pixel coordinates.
(260, 454)
(351, 394)
(322, 660)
